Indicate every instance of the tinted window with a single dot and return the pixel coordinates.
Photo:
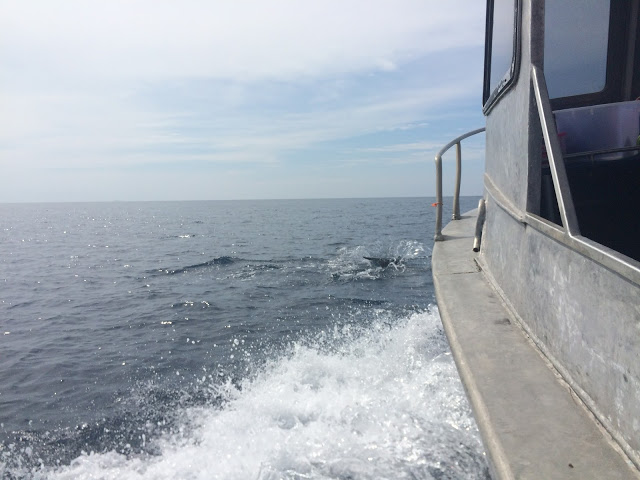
(501, 49)
(502, 42)
(575, 46)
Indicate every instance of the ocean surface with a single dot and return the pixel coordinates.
(227, 340)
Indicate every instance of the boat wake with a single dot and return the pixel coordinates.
(382, 401)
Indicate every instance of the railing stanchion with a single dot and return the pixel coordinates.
(438, 236)
(456, 195)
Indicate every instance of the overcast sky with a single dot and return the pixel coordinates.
(194, 100)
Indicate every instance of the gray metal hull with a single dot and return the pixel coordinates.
(533, 423)
(583, 316)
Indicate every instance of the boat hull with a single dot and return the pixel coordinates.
(533, 423)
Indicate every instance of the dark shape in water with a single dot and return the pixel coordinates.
(384, 262)
(224, 260)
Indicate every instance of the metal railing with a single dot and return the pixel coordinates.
(554, 154)
(456, 196)
(593, 154)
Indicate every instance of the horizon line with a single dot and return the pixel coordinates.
(34, 202)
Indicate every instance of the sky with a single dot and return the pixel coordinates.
(126, 100)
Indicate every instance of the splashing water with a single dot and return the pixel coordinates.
(380, 402)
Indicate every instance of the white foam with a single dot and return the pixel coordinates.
(386, 403)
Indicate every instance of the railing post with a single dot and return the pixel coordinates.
(456, 195)
(438, 236)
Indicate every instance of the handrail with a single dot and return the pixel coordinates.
(456, 197)
(595, 153)
(554, 154)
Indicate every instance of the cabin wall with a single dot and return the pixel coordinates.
(585, 317)
(513, 126)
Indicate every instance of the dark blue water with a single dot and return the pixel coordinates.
(244, 339)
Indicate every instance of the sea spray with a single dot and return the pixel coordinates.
(381, 402)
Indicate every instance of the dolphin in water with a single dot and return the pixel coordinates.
(383, 262)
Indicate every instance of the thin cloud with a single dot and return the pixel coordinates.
(99, 132)
(403, 147)
(242, 40)
(147, 86)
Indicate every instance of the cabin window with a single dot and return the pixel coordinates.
(576, 43)
(592, 75)
(501, 54)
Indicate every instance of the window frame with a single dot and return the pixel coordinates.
(490, 98)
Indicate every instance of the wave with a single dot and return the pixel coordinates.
(248, 269)
(223, 260)
(376, 402)
(191, 303)
(362, 301)
(376, 261)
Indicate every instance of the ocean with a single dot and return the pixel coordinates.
(227, 340)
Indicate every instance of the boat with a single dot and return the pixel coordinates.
(539, 287)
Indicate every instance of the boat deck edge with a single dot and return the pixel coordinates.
(533, 426)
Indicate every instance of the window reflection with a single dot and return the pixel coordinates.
(502, 42)
(575, 48)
